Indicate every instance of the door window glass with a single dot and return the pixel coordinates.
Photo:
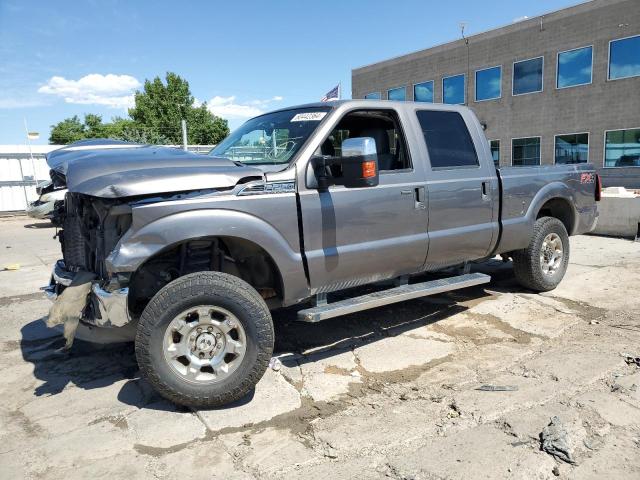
(447, 137)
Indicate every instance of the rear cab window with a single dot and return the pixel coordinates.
(448, 141)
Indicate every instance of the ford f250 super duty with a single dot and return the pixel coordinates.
(188, 254)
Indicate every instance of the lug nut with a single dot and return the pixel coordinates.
(219, 346)
(218, 335)
(209, 329)
(199, 330)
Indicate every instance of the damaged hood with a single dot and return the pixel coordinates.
(114, 169)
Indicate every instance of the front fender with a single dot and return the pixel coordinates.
(137, 245)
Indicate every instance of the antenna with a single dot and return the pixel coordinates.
(462, 26)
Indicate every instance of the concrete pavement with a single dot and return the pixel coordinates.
(387, 393)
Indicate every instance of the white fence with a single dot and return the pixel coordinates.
(21, 171)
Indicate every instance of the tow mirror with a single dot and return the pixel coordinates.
(359, 162)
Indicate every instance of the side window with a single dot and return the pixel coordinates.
(381, 125)
(448, 141)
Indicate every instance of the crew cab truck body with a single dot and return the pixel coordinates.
(189, 253)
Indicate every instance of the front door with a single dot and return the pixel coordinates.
(360, 235)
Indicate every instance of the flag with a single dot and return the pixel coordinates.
(333, 94)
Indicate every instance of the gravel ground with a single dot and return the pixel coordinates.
(389, 393)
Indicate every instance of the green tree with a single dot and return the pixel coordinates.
(160, 107)
(67, 131)
(155, 118)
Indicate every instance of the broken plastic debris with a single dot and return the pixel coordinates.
(12, 267)
(69, 305)
(631, 360)
(275, 364)
(497, 388)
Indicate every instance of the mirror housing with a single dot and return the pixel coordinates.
(359, 162)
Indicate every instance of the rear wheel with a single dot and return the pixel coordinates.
(542, 265)
(205, 339)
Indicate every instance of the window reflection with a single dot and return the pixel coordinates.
(423, 92)
(574, 67)
(624, 58)
(525, 151)
(495, 151)
(397, 94)
(572, 148)
(527, 76)
(622, 148)
(373, 96)
(453, 89)
(488, 83)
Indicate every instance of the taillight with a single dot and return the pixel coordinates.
(598, 193)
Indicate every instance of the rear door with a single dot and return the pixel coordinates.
(462, 189)
(360, 235)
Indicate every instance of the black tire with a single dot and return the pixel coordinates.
(526, 263)
(205, 288)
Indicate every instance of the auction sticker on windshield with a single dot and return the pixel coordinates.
(308, 117)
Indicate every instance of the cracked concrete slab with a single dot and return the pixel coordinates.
(327, 375)
(480, 452)
(161, 426)
(272, 396)
(615, 410)
(271, 452)
(518, 312)
(400, 352)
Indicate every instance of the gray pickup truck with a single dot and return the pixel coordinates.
(188, 254)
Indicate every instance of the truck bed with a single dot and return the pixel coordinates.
(526, 190)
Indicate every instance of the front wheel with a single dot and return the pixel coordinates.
(204, 340)
(542, 265)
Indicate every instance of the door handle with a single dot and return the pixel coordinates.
(420, 198)
(485, 190)
(405, 192)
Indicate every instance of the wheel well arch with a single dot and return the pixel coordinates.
(561, 209)
(237, 256)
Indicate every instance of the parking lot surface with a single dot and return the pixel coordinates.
(461, 385)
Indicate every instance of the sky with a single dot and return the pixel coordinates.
(63, 58)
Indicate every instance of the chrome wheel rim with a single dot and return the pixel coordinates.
(551, 254)
(204, 344)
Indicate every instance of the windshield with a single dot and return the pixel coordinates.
(271, 139)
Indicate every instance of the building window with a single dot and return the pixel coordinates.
(453, 90)
(373, 96)
(495, 151)
(574, 67)
(622, 148)
(525, 151)
(448, 141)
(527, 76)
(624, 58)
(488, 84)
(572, 148)
(423, 92)
(397, 94)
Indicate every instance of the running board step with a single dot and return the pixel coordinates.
(392, 295)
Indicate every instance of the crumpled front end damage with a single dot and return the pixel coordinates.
(88, 301)
(86, 309)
